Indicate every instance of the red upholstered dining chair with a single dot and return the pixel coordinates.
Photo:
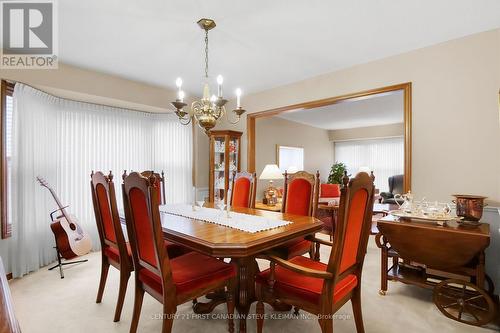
(160, 179)
(243, 189)
(115, 251)
(300, 198)
(320, 288)
(329, 191)
(170, 281)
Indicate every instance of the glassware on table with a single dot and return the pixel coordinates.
(407, 201)
(220, 204)
(200, 203)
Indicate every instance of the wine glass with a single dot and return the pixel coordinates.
(200, 203)
(219, 202)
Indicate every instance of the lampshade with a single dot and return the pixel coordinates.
(271, 172)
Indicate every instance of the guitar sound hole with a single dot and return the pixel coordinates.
(72, 226)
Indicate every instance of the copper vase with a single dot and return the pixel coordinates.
(470, 207)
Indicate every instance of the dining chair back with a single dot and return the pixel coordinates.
(170, 281)
(243, 189)
(160, 183)
(301, 193)
(355, 220)
(300, 197)
(115, 250)
(320, 288)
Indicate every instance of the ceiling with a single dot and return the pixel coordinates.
(257, 44)
(373, 110)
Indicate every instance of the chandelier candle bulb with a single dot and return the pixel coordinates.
(206, 92)
(238, 98)
(181, 95)
(220, 80)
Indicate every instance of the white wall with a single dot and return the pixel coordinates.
(318, 150)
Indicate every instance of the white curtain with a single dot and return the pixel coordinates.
(384, 156)
(63, 141)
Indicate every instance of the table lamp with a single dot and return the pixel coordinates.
(271, 172)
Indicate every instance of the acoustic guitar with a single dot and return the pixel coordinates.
(71, 240)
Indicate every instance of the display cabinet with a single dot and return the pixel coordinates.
(224, 159)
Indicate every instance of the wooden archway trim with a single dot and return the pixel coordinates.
(405, 87)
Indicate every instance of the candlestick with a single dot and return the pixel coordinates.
(194, 199)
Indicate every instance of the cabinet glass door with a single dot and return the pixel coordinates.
(219, 167)
(233, 157)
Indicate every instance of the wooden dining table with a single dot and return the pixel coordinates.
(240, 246)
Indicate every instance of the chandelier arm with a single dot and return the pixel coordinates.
(185, 123)
(235, 122)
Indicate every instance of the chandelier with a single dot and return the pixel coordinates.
(209, 109)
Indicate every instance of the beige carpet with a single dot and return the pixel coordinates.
(45, 303)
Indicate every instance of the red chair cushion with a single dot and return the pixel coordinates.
(329, 191)
(144, 232)
(298, 197)
(173, 250)
(113, 254)
(304, 287)
(241, 192)
(295, 247)
(353, 229)
(104, 207)
(191, 271)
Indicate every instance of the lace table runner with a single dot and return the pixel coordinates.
(244, 222)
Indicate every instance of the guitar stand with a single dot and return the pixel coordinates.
(61, 264)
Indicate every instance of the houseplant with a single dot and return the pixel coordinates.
(336, 173)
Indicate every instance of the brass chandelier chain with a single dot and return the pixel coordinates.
(206, 53)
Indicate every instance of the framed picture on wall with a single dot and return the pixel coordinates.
(289, 158)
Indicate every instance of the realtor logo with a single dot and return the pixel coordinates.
(28, 34)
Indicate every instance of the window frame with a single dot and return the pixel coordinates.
(7, 89)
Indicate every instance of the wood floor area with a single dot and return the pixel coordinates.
(45, 303)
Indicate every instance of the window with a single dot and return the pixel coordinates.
(6, 151)
(290, 159)
(384, 156)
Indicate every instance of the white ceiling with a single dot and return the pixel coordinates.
(258, 44)
(374, 110)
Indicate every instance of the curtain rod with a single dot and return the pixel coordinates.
(92, 103)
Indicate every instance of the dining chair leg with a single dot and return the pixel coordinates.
(124, 276)
(356, 309)
(139, 295)
(231, 288)
(316, 252)
(102, 282)
(260, 316)
(312, 254)
(168, 319)
(327, 326)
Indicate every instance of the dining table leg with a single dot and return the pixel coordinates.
(245, 291)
